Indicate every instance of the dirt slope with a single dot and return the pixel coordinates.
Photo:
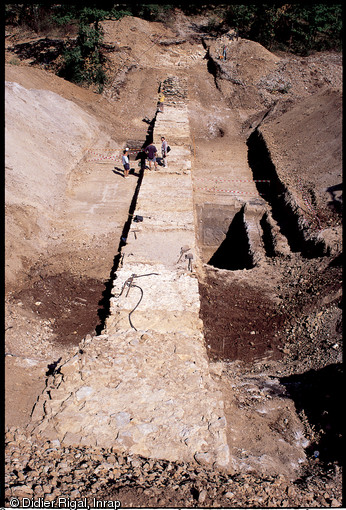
(45, 138)
(306, 129)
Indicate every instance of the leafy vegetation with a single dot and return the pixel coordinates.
(297, 27)
(152, 12)
(83, 60)
(300, 28)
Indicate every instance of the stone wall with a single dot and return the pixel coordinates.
(144, 386)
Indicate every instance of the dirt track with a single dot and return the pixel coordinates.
(59, 262)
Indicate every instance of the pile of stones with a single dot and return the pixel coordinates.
(175, 90)
(37, 468)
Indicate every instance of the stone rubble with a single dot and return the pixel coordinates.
(41, 468)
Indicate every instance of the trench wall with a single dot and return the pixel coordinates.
(143, 386)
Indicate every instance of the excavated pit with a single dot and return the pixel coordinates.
(234, 252)
(241, 321)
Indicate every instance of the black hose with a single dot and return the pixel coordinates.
(130, 283)
(140, 299)
(140, 275)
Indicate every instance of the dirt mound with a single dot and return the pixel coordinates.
(295, 76)
(250, 60)
(133, 30)
(45, 137)
(135, 40)
(253, 78)
(297, 141)
(238, 65)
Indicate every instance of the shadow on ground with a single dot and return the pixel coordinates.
(317, 393)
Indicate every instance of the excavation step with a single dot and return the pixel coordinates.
(280, 246)
(252, 216)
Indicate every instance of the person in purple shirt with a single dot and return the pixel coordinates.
(151, 151)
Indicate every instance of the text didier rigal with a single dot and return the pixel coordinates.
(69, 503)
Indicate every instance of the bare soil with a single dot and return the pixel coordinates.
(282, 319)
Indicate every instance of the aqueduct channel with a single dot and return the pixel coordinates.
(144, 384)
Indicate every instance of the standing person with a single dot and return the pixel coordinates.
(126, 163)
(151, 151)
(164, 151)
(160, 102)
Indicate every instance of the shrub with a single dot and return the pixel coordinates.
(83, 61)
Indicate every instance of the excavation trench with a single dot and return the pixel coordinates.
(284, 209)
(241, 321)
(104, 303)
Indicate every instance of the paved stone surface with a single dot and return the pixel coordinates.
(144, 385)
(143, 393)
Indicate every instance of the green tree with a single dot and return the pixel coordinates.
(83, 61)
(297, 27)
(153, 12)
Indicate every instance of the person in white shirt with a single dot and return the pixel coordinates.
(164, 151)
(126, 163)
